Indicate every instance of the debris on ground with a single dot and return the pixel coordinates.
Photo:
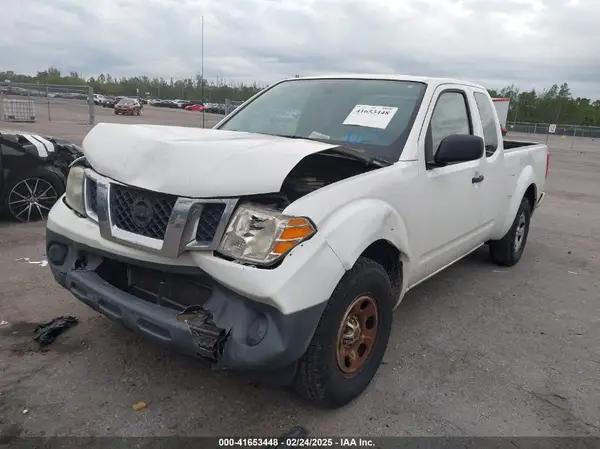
(42, 262)
(46, 333)
(139, 406)
(3, 323)
(25, 411)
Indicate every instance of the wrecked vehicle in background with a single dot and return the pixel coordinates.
(33, 173)
(280, 242)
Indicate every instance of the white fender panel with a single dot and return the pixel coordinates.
(526, 178)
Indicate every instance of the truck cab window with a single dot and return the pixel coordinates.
(450, 116)
(488, 122)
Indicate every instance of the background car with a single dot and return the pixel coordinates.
(98, 99)
(195, 107)
(128, 106)
(110, 102)
(34, 173)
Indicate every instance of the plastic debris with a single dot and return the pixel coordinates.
(46, 333)
(25, 411)
(572, 272)
(3, 323)
(42, 262)
(139, 406)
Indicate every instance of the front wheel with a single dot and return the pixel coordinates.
(351, 338)
(31, 197)
(508, 250)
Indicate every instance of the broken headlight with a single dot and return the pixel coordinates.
(261, 236)
(74, 189)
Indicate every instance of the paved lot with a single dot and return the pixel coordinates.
(477, 350)
(68, 119)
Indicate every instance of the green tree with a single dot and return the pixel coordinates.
(552, 105)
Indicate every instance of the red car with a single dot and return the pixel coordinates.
(195, 107)
(128, 106)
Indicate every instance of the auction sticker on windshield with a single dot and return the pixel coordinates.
(370, 116)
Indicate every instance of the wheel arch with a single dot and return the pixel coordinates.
(525, 188)
(386, 254)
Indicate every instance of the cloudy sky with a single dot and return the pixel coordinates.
(532, 43)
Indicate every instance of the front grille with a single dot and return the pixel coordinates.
(209, 221)
(141, 211)
(92, 195)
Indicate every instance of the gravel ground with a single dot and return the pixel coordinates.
(475, 351)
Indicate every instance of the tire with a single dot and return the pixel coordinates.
(15, 205)
(508, 251)
(324, 376)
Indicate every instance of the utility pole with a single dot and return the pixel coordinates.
(202, 67)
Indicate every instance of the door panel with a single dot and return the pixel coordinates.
(449, 214)
(492, 193)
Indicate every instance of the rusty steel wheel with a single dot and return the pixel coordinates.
(357, 335)
(349, 342)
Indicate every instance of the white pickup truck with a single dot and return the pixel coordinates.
(280, 242)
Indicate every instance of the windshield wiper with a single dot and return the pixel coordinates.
(293, 137)
(345, 151)
(361, 156)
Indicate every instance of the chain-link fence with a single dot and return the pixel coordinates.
(558, 136)
(29, 102)
(559, 130)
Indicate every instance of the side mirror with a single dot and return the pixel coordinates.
(459, 148)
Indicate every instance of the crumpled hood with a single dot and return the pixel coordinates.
(194, 162)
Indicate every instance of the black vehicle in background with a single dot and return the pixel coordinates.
(110, 102)
(33, 173)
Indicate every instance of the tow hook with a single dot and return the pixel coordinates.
(210, 339)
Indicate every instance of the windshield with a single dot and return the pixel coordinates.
(126, 102)
(374, 116)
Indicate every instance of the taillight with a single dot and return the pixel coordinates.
(547, 163)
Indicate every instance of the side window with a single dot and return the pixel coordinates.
(488, 121)
(450, 116)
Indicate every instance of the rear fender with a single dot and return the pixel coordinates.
(525, 180)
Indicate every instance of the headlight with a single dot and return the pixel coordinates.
(260, 236)
(74, 190)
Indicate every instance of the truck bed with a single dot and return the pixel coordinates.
(514, 144)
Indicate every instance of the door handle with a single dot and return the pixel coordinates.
(477, 179)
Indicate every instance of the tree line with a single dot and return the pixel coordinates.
(195, 88)
(555, 104)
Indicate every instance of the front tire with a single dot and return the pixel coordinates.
(351, 338)
(29, 198)
(508, 251)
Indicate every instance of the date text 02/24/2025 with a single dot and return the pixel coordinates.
(295, 442)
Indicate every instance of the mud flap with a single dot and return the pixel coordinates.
(210, 339)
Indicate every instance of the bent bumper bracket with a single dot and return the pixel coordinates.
(210, 339)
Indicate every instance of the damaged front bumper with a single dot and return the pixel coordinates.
(183, 308)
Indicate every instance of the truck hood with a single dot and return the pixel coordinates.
(195, 162)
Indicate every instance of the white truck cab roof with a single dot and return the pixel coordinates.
(432, 81)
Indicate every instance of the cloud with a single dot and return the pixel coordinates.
(531, 43)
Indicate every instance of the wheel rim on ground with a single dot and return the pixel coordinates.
(31, 199)
(520, 232)
(357, 335)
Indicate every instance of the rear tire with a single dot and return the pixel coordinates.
(508, 250)
(335, 370)
(29, 198)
